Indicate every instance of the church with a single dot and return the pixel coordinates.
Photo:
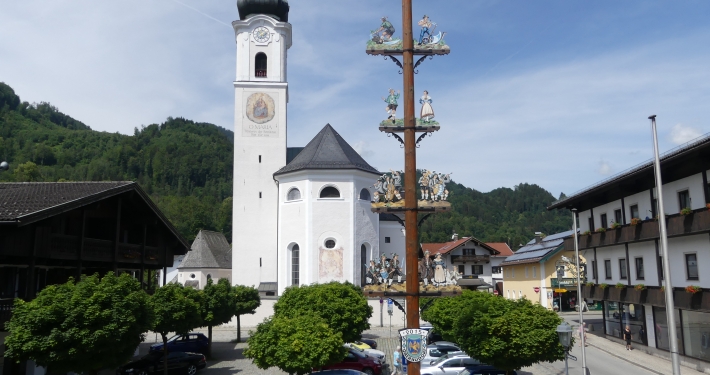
(300, 215)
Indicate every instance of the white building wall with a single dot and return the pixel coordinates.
(643, 199)
(613, 253)
(694, 185)
(647, 251)
(292, 223)
(366, 228)
(397, 245)
(607, 209)
(185, 274)
(678, 248)
(259, 151)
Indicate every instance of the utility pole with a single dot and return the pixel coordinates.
(580, 300)
(670, 306)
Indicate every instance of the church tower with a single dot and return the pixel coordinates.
(263, 36)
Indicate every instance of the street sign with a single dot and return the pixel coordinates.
(390, 306)
(561, 290)
(536, 289)
(495, 292)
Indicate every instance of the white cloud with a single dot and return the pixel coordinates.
(363, 148)
(681, 134)
(604, 168)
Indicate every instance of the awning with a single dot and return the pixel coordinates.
(479, 283)
(265, 287)
(193, 284)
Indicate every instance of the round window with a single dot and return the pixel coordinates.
(192, 275)
(329, 244)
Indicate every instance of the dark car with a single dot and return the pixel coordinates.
(192, 342)
(357, 361)
(484, 370)
(178, 362)
(372, 343)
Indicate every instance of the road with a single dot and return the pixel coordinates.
(598, 363)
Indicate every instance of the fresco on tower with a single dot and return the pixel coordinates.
(260, 109)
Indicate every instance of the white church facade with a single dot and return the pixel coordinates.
(305, 218)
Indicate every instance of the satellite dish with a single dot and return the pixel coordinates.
(4, 166)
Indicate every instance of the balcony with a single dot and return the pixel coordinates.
(470, 258)
(677, 225)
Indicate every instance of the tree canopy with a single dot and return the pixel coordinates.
(508, 334)
(295, 345)
(342, 305)
(79, 327)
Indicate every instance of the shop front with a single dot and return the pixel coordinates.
(564, 294)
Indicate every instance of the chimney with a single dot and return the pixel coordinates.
(538, 237)
(455, 236)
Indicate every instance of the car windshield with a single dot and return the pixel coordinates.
(355, 348)
(358, 354)
(174, 338)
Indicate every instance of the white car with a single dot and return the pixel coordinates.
(373, 353)
(439, 349)
(449, 364)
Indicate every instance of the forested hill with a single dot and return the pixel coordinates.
(187, 167)
(501, 215)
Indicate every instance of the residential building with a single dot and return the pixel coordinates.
(474, 260)
(541, 272)
(617, 217)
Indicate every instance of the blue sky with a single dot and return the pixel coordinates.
(555, 93)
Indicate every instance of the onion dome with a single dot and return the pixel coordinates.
(277, 9)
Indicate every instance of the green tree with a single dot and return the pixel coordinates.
(342, 305)
(508, 334)
(86, 326)
(296, 345)
(177, 309)
(218, 306)
(27, 172)
(246, 300)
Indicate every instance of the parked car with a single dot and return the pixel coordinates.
(152, 363)
(484, 370)
(371, 342)
(355, 360)
(374, 353)
(438, 349)
(449, 364)
(192, 342)
(338, 372)
(361, 345)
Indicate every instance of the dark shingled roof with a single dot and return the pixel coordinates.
(327, 150)
(22, 199)
(27, 202)
(209, 250)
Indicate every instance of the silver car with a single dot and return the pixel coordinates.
(449, 364)
(439, 349)
(373, 353)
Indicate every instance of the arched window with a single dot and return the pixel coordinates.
(364, 195)
(293, 194)
(260, 65)
(295, 257)
(330, 192)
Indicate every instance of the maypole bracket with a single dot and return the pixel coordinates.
(397, 62)
(398, 138)
(422, 137)
(421, 60)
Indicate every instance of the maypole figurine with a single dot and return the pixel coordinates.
(391, 108)
(427, 112)
(395, 268)
(439, 270)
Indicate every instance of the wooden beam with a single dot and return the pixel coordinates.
(118, 236)
(659, 270)
(82, 236)
(623, 211)
(706, 192)
(31, 285)
(145, 231)
(653, 206)
(628, 265)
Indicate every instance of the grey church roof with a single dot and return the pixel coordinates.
(327, 150)
(209, 250)
(275, 8)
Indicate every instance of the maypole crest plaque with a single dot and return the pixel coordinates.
(413, 343)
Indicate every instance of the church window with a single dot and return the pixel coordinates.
(330, 192)
(387, 240)
(259, 194)
(294, 265)
(363, 262)
(329, 244)
(259, 158)
(209, 276)
(192, 275)
(364, 195)
(260, 65)
(293, 194)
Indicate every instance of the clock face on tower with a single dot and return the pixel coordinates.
(261, 34)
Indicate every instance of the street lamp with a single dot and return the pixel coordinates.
(564, 332)
(4, 166)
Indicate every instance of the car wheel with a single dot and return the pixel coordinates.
(368, 371)
(191, 370)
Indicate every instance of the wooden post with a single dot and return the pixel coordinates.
(31, 286)
(145, 236)
(80, 255)
(117, 238)
(410, 177)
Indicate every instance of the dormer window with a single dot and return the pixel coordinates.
(260, 65)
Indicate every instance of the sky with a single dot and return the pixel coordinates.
(553, 93)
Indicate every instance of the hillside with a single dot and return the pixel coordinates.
(187, 167)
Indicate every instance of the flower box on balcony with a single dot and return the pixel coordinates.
(599, 293)
(634, 295)
(655, 296)
(685, 300)
(616, 294)
(587, 291)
